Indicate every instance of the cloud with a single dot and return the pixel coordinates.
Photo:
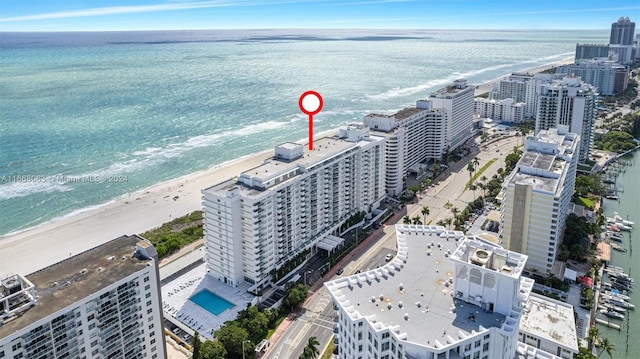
(113, 10)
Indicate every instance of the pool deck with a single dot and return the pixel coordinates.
(176, 303)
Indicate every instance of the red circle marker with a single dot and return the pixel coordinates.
(310, 103)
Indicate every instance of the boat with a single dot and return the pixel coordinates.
(618, 302)
(623, 227)
(615, 308)
(612, 314)
(616, 293)
(619, 219)
(618, 247)
(616, 236)
(608, 181)
(613, 228)
(611, 196)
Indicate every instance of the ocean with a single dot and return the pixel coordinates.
(88, 117)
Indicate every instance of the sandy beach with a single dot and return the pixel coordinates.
(41, 246)
(487, 86)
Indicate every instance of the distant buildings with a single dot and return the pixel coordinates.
(537, 196)
(506, 110)
(522, 88)
(444, 296)
(591, 51)
(622, 32)
(607, 76)
(413, 135)
(102, 303)
(257, 222)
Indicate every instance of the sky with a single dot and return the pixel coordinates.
(109, 15)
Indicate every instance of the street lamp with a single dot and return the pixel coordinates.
(244, 341)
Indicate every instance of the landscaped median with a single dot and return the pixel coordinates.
(479, 172)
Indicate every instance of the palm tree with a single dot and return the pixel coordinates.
(606, 346)
(473, 187)
(448, 222)
(483, 179)
(592, 336)
(425, 212)
(416, 219)
(406, 219)
(470, 168)
(481, 186)
(311, 350)
(455, 211)
(476, 162)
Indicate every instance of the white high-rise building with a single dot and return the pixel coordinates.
(457, 102)
(413, 135)
(257, 222)
(506, 110)
(442, 296)
(607, 76)
(537, 196)
(102, 303)
(569, 102)
(522, 87)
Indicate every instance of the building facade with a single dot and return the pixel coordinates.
(522, 87)
(570, 102)
(457, 102)
(257, 222)
(506, 110)
(102, 303)
(537, 196)
(413, 135)
(591, 51)
(622, 32)
(607, 76)
(442, 296)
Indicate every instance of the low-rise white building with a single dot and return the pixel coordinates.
(442, 296)
(268, 215)
(102, 303)
(506, 110)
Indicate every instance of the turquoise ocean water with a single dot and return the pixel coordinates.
(121, 111)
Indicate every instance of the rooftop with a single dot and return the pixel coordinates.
(64, 283)
(538, 183)
(275, 171)
(413, 294)
(550, 319)
(400, 115)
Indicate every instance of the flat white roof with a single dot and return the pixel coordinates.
(417, 285)
(550, 319)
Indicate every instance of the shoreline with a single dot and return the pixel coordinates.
(135, 212)
(487, 86)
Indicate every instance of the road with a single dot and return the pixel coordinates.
(316, 317)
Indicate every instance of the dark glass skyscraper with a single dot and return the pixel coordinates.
(622, 32)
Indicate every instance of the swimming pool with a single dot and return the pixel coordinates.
(211, 302)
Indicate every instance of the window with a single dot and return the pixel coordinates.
(477, 344)
(147, 287)
(146, 279)
(16, 346)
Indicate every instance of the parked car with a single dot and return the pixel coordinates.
(388, 257)
(339, 271)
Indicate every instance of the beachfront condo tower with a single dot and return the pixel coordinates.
(448, 296)
(414, 136)
(102, 303)
(622, 32)
(537, 194)
(591, 51)
(607, 76)
(291, 203)
(457, 102)
(570, 102)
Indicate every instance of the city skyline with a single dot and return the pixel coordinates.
(104, 15)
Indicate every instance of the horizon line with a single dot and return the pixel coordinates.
(308, 28)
